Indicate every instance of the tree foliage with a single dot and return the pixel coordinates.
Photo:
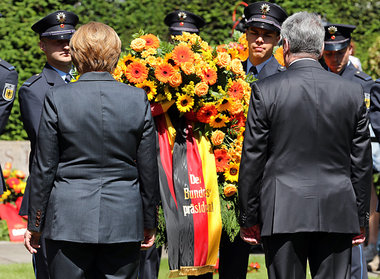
(19, 44)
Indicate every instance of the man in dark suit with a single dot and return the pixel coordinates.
(55, 31)
(336, 55)
(263, 23)
(305, 173)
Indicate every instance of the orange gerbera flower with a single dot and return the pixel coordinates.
(164, 72)
(221, 159)
(182, 54)
(239, 119)
(279, 55)
(236, 90)
(204, 113)
(136, 72)
(151, 41)
(209, 76)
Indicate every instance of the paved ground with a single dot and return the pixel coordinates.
(11, 252)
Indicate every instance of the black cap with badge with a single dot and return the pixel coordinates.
(59, 25)
(337, 36)
(182, 21)
(265, 15)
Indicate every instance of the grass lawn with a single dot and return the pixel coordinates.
(25, 271)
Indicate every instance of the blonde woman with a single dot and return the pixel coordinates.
(94, 181)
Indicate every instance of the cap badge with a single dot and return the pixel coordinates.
(265, 8)
(182, 16)
(332, 30)
(61, 18)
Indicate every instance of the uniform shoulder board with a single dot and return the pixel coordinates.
(378, 80)
(281, 68)
(363, 75)
(32, 80)
(6, 65)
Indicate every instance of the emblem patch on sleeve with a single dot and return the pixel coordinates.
(9, 91)
(367, 99)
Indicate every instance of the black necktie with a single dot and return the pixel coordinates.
(68, 78)
(253, 70)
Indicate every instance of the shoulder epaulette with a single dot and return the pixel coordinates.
(6, 65)
(363, 75)
(281, 68)
(32, 80)
(378, 80)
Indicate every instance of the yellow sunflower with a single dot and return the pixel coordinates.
(149, 87)
(218, 121)
(184, 102)
(224, 104)
(232, 172)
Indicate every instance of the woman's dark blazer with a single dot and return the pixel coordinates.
(94, 177)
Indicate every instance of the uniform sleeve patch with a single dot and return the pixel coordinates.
(9, 91)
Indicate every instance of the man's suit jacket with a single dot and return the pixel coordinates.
(306, 160)
(31, 97)
(8, 86)
(271, 68)
(94, 176)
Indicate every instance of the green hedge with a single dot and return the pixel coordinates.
(19, 45)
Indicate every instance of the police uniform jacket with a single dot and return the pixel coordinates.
(31, 97)
(94, 176)
(375, 108)
(306, 159)
(355, 75)
(8, 85)
(271, 68)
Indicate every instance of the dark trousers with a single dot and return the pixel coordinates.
(329, 255)
(358, 263)
(233, 258)
(150, 263)
(40, 265)
(86, 261)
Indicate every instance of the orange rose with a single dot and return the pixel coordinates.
(224, 59)
(229, 190)
(217, 137)
(175, 80)
(20, 174)
(6, 173)
(237, 67)
(201, 89)
(138, 44)
(188, 68)
(8, 166)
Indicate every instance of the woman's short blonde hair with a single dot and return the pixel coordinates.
(95, 47)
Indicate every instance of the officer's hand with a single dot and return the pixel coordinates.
(251, 234)
(149, 237)
(31, 241)
(359, 239)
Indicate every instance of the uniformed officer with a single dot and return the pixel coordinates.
(336, 55)
(55, 31)
(183, 21)
(8, 85)
(263, 23)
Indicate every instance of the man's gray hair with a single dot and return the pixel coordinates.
(304, 32)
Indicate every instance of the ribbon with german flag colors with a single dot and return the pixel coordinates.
(190, 197)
